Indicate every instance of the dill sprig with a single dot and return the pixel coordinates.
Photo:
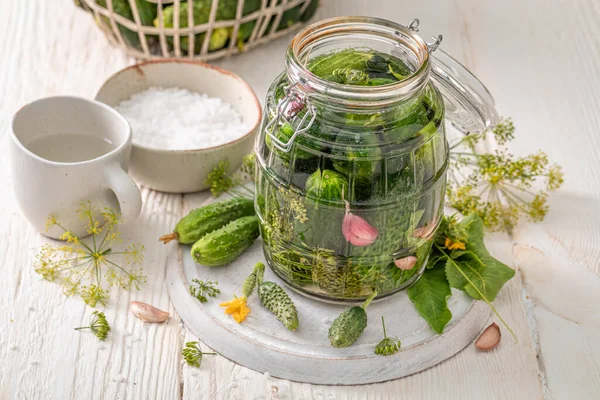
(387, 346)
(98, 324)
(222, 180)
(193, 355)
(200, 290)
(500, 187)
(88, 268)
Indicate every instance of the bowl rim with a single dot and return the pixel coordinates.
(220, 70)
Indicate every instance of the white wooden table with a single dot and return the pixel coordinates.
(540, 59)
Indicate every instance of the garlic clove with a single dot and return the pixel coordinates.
(357, 230)
(406, 263)
(426, 231)
(489, 338)
(293, 108)
(147, 313)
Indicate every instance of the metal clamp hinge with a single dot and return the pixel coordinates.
(288, 108)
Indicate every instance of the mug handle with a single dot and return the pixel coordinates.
(127, 192)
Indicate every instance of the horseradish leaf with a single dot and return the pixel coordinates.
(430, 296)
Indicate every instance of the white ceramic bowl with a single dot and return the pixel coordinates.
(184, 171)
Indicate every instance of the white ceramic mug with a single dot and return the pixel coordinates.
(68, 150)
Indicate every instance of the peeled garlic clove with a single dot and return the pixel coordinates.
(406, 263)
(490, 338)
(357, 230)
(147, 313)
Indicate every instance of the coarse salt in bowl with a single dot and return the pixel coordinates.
(178, 119)
(186, 116)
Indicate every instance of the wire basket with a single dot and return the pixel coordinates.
(196, 29)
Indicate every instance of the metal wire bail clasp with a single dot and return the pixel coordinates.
(436, 43)
(290, 106)
(414, 26)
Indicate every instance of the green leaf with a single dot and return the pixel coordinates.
(476, 266)
(436, 260)
(430, 296)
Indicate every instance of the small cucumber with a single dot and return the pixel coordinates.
(327, 186)
(255, 277)
(206, 219)
(349, 325)
(276, 300)
(224, 245)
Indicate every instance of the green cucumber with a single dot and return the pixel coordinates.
(349, 325)
(224, 245)
(276, 300)
(310, 10)
(327, 186)
(255, 277)
(204, 220)
(357, 153)
(146, 10)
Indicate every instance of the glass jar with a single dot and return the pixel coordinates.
(351, 178)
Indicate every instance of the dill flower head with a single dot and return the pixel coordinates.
(498, 186)
(387, 346)
(88, 268)
(98, 325)
(193, 355)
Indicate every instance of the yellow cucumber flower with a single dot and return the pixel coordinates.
(451, 245)
(237, 308)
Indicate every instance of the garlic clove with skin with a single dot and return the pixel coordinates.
(406, 263)
(489, 338)
(147, 313)
(357, 230)
(426, 231)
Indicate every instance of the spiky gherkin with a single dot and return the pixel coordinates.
(349, 325)
(253, 278)
(276, 300)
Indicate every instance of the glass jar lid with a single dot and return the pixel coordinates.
(469, 104)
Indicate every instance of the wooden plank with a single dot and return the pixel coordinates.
(564, 294)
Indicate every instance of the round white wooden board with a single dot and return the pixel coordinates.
(263, 344)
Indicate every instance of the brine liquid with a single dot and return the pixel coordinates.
(385, 165)
(70, 147)
(359, 67)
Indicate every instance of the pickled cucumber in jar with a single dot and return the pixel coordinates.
(347, 200)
